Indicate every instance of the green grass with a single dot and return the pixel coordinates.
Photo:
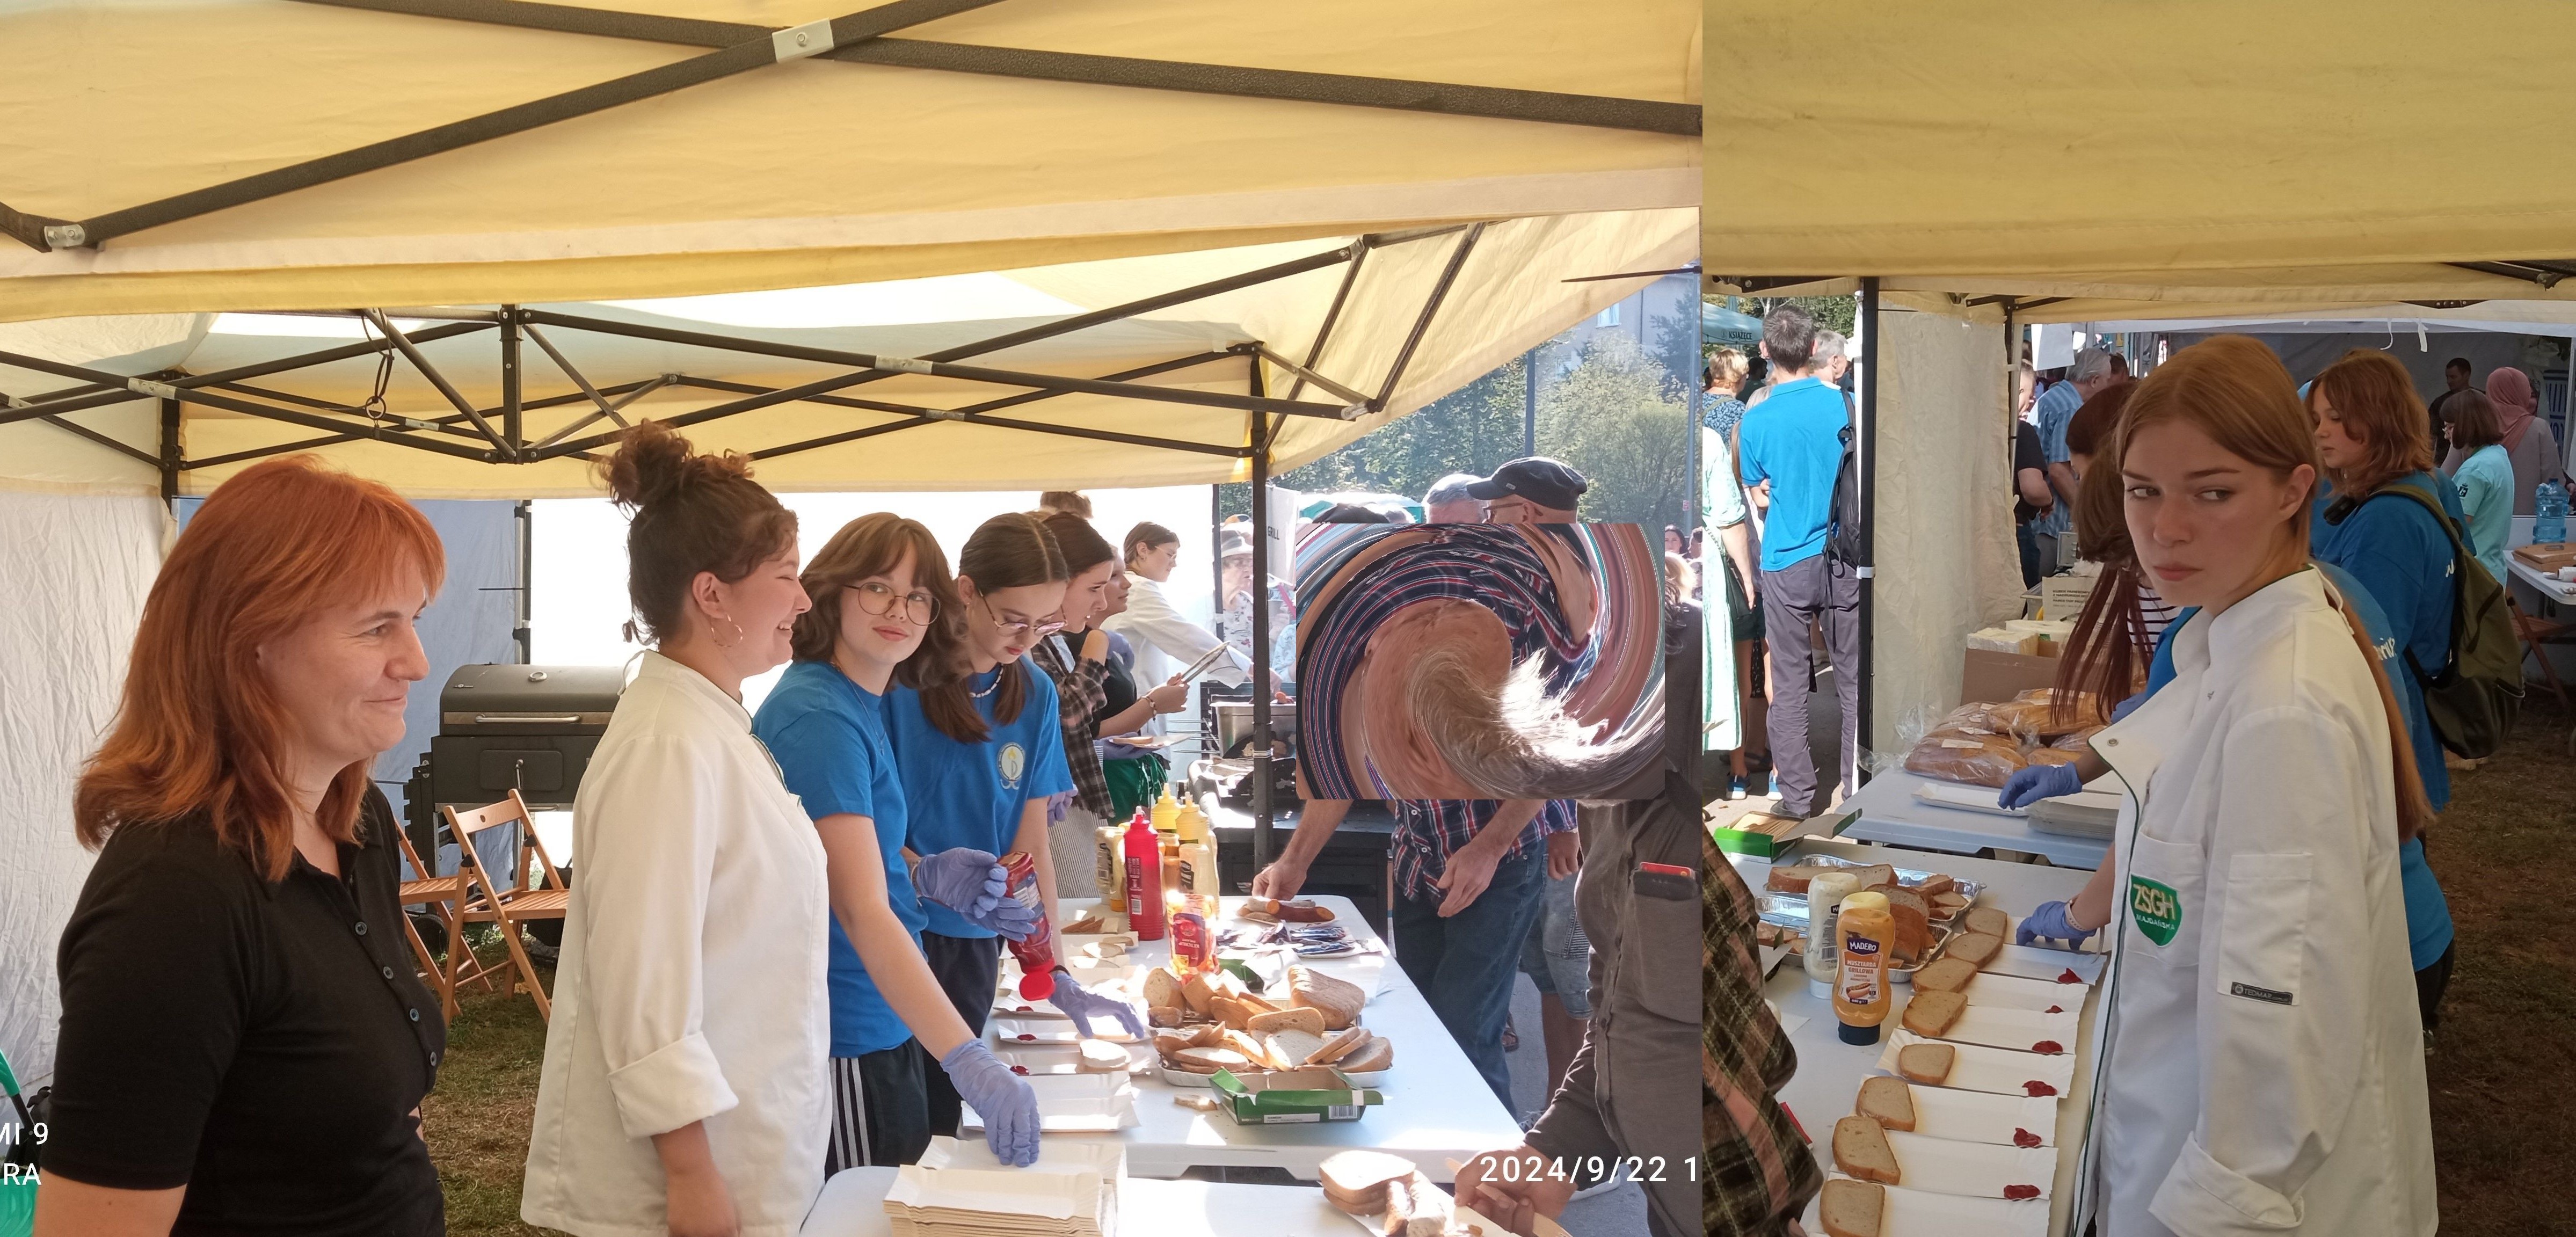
(477, 1120)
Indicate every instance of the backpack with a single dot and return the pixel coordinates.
(1843, 542)
(2475, 696)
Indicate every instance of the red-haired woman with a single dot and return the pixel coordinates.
(684, 1088)
(244, 1044)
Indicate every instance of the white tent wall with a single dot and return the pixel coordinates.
(1942, 528)
(76, 570)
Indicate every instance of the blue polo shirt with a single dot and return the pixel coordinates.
(1794, 441)
(2428, 914)
(828, 735)
(2056, 408)
(971, 794)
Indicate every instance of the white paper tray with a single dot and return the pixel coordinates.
(1075, 1104)
(1047, 1060)
(1998, 1070)
(1923, 1213)
(1981, 1116)
(1974, 1169)
(2004, 1027)
(1469, 1215)
(2032, 962)
(1997, 991)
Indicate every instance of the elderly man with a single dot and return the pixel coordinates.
(2091, 373)
(1450, 503)
(1531, 490)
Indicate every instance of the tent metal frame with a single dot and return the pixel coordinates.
(497, 434)
(858, 37)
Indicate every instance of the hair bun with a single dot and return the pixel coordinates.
(654, 462)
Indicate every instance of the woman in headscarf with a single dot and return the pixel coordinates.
(2528, 441)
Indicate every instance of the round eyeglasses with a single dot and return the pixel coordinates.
(879, 600)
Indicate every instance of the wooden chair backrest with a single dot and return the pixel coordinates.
(512, 810)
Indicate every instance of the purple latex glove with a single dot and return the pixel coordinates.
(2128, 706)
(1006, 1102)
(1082, 1005)
(969, 882)
(2037, 782)
(2049, 922)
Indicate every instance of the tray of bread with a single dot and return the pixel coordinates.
(1850, 1208)
(1944, 896)
(1985, 744)
(1215, 1022)
(1866, 1150)
(1961, 1116)
(1976, 1067)
(1390, 1197)
(1935, 1014)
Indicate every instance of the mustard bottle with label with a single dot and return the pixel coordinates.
(1864, 934)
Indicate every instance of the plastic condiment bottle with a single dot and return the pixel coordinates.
(1825, 896)
(1198, 855)
(1144, 879)
(1192, 952)
(1167, 812)
(1111, 867)
(1036, 951)
(1864, 933)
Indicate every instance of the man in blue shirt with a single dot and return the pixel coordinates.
(2088, 376)
(1792, 447)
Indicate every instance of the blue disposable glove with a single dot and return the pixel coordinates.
(2049, 922)
(969, 882)
(2128, 706)
(2037, 782)
(1003, 1099)
(1082, 1005)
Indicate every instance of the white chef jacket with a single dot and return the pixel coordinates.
(691, 986)
(2264, 1067)
(1165, 643)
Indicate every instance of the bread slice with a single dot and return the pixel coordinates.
(1928, 1064)
(1377, 1054)
(1987, 921)
(1416, 1208)
(1357, 1181)
(1340, 1001)
(1231, 1012)
(1210, 1060)
(1258, 1003)
(1340, 1044)
(1933, 1013)
(1935, 885)
(1875, 874)
(1207, 1035)
(1945, 974)
(1311, 1021)
(1290, 1049)
(1975, 948)
(1103, 1057)
(1852, 1208)
(1249, 1045)
(1163, 1016)
(1162, 988)
(1168, 1042)
(1887, 1101)
(1793, 878)
(1195, 994)
(1861, 1150)
(1913, 915)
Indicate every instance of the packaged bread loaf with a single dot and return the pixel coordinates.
(1986, 761)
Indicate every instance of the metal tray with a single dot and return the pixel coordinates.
(1904, 876)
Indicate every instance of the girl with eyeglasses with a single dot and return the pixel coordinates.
(981, 748)
(879, 586)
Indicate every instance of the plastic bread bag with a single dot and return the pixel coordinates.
(1975, 761)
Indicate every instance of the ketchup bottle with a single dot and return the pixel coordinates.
(1036, 951)
(1144, 878)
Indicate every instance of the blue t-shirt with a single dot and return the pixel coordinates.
(828, 735)
(971, 794)
(2056, 410)
(1794, 441)
(2484, 484)
(2428, 914)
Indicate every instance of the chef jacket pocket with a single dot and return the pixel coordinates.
(2163, 900)
(2266, 933)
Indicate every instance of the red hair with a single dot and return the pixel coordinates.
(199, 729)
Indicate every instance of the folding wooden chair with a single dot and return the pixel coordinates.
(487, 902)
(2536, 635)
(444, 895)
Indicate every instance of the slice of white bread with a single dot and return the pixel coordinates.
(1311, 1021)
(1944, 975)
(1290, 1049)
(1861, 1150)
(1793, 879)
(1340, 1001)
(1887, 1101)
(1926, 1063)
(1209, 1060)
(1103, 1057)
(1987, 921)
(1913, 915)
(1377, 1054)
(1357, 1181)
(1340, 1044)
(1852, 1208)
(1162, 989)
(1974, 947)
(1249, 1045)
(1169, 1042)
(1416, 1208)
(1933, 1013)
(1195, 994)
(1875, 874)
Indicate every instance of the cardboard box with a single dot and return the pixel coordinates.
(1985, 678)
(1293, 1097)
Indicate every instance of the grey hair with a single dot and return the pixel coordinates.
(1829, 344)
(2089, 364)
(1452, 489)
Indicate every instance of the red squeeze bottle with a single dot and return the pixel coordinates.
(1144, 878)
(1036, 951)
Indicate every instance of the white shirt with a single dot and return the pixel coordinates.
(1165, 643)
(2264, 1064)
(691, 986)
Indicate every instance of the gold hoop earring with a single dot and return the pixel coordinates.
(737, 632)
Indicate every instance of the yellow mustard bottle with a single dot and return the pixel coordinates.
(1864, 935)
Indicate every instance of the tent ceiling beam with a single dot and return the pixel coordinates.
(612, 410)
(1421, 324)
(1756, 285)
(605, 408)
(1332, 315)
(100, 394)
(64, 423)
(1490, 102)
(1305, 374)
(752, 52)
(386, 327)
(2545, 273)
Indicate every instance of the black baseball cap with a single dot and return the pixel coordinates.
(1549, 483)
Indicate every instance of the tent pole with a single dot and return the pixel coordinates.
(1261, 805)
(1866, 464)
(170, 461)
(512, 430)
(520, 628)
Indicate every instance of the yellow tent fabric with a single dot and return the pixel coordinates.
(1993, 139)
(801, 173)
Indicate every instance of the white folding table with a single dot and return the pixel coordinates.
(1889, 812)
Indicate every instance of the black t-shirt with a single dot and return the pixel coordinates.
(2025, 455)
(261, 1044)
(1118, 685)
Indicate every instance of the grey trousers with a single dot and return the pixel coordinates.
(1811, 589)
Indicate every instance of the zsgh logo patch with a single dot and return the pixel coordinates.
(2155, 908)
(1012, 761)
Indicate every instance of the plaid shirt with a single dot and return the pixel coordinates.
(1428, 831)
(1758, 1173)
(1080, 693)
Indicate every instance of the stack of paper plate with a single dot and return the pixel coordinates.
(959, 1190)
